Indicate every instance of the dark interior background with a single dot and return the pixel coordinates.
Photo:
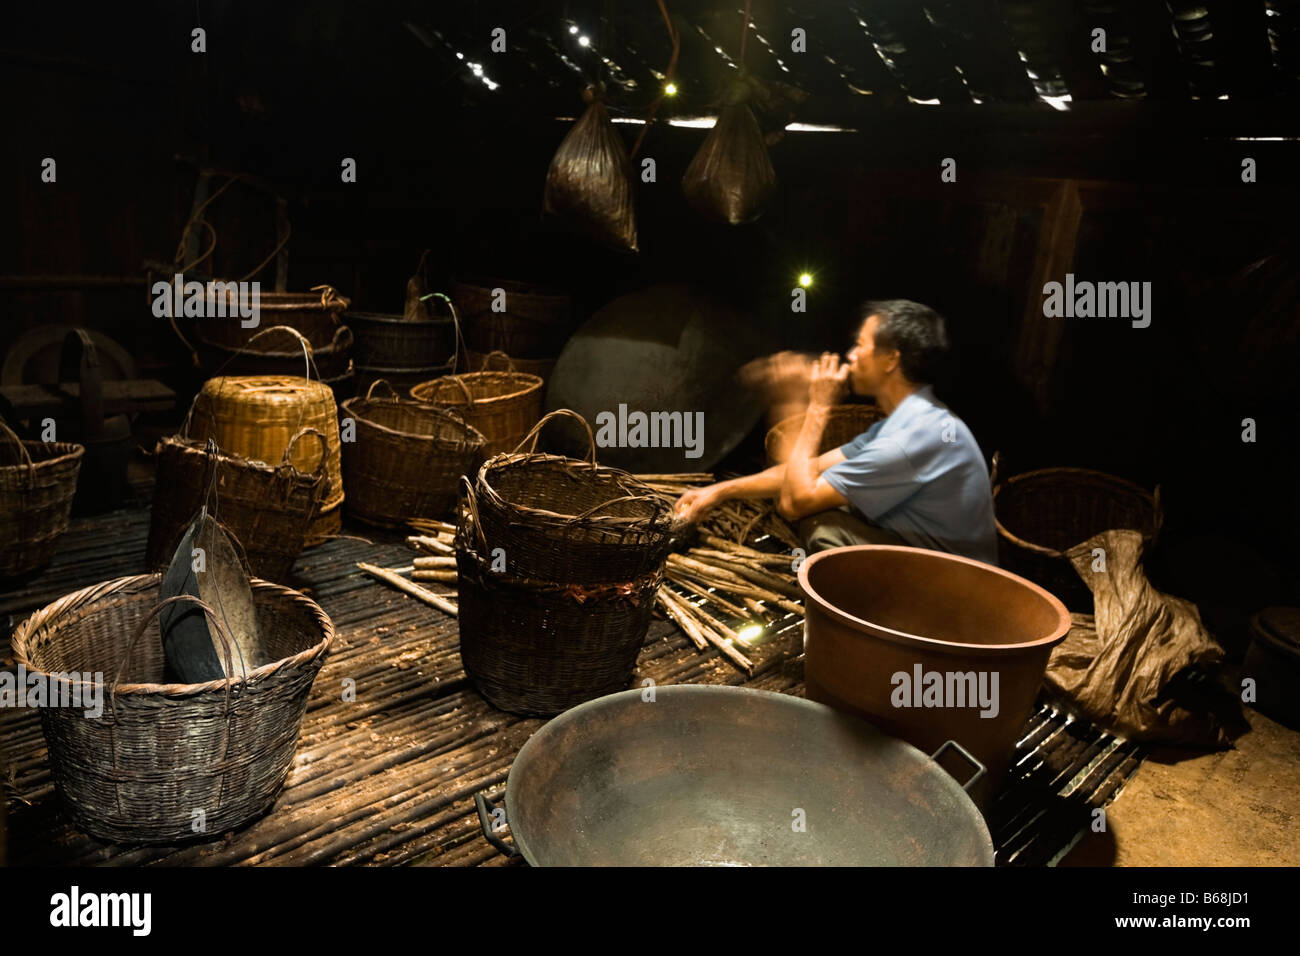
(1153, 142)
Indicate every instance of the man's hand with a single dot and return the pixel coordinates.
(782, 377)
(828, 380)
(693, 505)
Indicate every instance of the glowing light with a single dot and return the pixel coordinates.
(749, 632)
(805, 279)
(573, 29)
(584, 41)
(670, 89)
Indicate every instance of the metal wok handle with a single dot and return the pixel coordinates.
(980, 771)
(485, 821)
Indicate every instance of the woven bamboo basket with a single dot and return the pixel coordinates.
(37, 484)
(478, 362)
(315, 314)
(846, 423)
(501, 405)
(538, 648)
(160, 752)
(534, 323)
(268, 510)
(256, 416)
(407, 459)
(567, 520)
(1043, 514)
(276, 351)
(390, 341)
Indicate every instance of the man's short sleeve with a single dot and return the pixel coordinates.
(855, 447)
(877, 477)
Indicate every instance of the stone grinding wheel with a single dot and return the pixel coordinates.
(667, 348)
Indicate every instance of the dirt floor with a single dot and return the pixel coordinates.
(1235, 807)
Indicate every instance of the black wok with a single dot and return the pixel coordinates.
(728, 776)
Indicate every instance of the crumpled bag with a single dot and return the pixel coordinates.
(589, 181)
(731, 177)
(417, 310)
(1132, 666)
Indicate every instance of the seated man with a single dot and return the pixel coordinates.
(916, 478)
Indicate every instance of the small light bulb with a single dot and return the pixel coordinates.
(584, 41)
(573, 29)
(670, 89)
(805, 279)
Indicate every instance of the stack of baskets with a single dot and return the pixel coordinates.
(402, 352)
(139, 771)
(527, 322)
(1042, 514)
(268, 509)
(558, 561)
(846, 423)
(503, 406)
(257, 417)
(37, 484)
(225, 345)
(407, 459)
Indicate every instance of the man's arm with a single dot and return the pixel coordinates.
(803, 490)
(764, 484)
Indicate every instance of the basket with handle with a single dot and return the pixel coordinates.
(407, 458)
(845, 423)
(1043, 514)
(315, 314)
(37, 483)
(519, 318)
(500, 405)
(564, 519)
(480, 362)
(539, 647)
(256, 416)
(168, 762)
(267, 509)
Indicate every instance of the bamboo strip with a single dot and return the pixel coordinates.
(414, 590)
(441, 574)
(688, 627)
(441, 561)
(713, 596)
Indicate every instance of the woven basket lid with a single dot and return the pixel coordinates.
(1279, 627)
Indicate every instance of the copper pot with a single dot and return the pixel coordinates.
(929, 646)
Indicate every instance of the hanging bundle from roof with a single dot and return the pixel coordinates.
(731, 177)
(589, 183)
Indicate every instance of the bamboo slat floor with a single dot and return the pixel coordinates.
(388, 778)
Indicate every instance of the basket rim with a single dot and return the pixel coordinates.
(475, 438)
(522, 287)
(530, 383)
(534, 458)
(139, 582)
(67, 450)
(193, 446)
(1064, 471)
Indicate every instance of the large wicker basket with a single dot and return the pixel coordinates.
(167, 762)
(276, 351)
(846, 422)
(562, 519)
(539, 648)
(534, 323)
(256, 416)
(37, 483)
(501, 405)
(407, 459)
(268, 510)
(315, 314)
(1043, 514)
